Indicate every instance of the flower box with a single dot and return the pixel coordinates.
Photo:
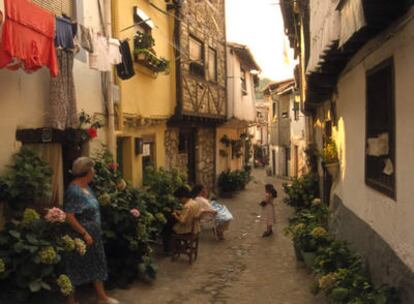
(148, 59)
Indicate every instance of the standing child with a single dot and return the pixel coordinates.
(268, 209)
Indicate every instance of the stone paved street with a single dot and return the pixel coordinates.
(245, 268)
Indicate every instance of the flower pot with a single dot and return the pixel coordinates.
(298, 253)
(308, 258)
(332, 168)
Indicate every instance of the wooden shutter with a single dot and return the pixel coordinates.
(57, 7)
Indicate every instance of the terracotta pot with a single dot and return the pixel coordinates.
(332, 168)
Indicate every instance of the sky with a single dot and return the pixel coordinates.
(259, 25)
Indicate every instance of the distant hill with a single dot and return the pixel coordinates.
(263, 82)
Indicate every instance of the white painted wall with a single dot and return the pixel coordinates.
(24, 97)
(393, 220)
(240, 106)
(297, 138)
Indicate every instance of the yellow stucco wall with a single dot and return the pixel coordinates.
(132, 167)
(145, 95)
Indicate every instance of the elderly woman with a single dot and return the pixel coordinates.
(221, 213)
(84, 217)
(183, 221)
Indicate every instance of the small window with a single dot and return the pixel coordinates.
(380, 165)
(243, 81)
(196, 56)
(274, 109)
(212, 64)
(57, 7)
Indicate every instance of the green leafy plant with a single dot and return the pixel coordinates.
(31, 250)
(28, 182)
(126, 223)
(329, 153)
(161, 185)
(230, 181)
(335, 256)
(301, 191)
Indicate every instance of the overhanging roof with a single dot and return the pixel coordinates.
(245, 56)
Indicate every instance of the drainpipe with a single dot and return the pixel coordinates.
(108, 79)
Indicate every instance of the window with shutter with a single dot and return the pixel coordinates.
(57, 7)
(380, 129)
(212, 64)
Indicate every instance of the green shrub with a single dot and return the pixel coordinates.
(28, 182)
(301, 191)
(126, 237)
(160, 186)
(230, 181)
(31, 253)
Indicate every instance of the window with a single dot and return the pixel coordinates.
(57, 7)
(243, 81)
(212, 64)
(274, 109)
(196, 57)
(380, 129)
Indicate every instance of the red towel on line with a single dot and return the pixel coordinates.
(28, 37)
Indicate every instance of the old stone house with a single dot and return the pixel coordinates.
(232, 137)
(200, 63)
(355, 74)
(287, 130)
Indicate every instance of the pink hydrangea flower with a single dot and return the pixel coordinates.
(135, 212)
(55, 215)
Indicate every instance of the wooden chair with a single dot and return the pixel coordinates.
(208, 222)
(186, 244)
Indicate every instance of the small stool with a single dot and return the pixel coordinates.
(186, 244)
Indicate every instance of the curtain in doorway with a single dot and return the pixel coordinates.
(52, 154)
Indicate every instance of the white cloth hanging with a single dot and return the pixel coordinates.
(114, 52)
(99, 59)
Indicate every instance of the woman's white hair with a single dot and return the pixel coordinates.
(82, 165)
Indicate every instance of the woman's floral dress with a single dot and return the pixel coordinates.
(92, 266)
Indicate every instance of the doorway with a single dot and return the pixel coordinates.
(187, 145)
(296, 161)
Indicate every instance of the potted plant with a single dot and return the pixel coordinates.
(330, 158)
(310, 238)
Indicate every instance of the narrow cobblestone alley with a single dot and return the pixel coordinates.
(245, 268)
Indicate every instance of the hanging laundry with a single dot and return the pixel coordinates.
(28, 38)
(64, 34)
(62, 111)
(1, 13)
(126, 68)
(86, 39)
(114, 51)
(99, 59)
